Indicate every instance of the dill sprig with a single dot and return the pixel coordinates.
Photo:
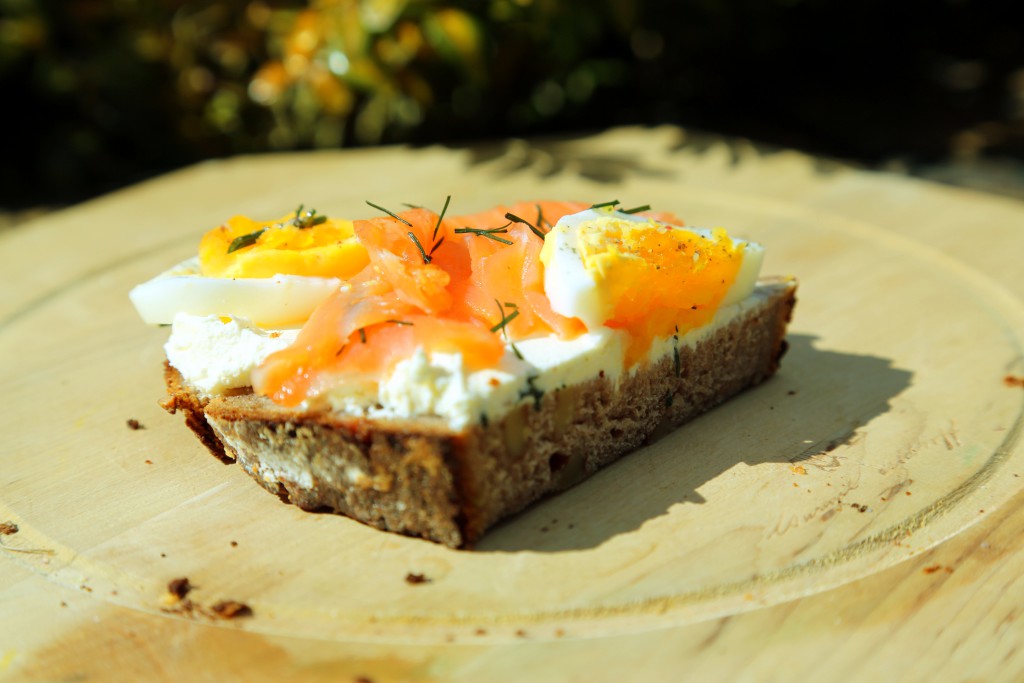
(440, 218)
(532, 391)
(437, 245)
(516, 219)
(390, 213)
(307, 219)
(489, 233)
(246, 240)
(603, 205)
(506, 318)
(416, 241)
(541, 220)
(637, 209)
(362, 332)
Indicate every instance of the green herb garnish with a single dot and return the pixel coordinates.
(399, 322)
(307, 219)
(247, 240)
(437, 245)
(637, 209)
(439, 219)
(532, 391)
(541, 220)
(603, 205)
(505, 318)
(362, 335)
(516, 219)
(393, 215)
(489, 233)
(415, 240)
(669, 399)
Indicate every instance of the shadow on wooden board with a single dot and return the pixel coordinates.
(815, 404)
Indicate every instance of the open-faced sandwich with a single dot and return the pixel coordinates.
(430, 375)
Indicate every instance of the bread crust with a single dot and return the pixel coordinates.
(421, 478)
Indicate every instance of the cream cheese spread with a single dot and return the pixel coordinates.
(215, 356)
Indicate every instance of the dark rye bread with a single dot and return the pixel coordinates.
(420, 478)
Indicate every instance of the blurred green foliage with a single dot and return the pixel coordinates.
(101, 93)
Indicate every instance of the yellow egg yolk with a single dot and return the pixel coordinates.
(657, 279)
(244, 248)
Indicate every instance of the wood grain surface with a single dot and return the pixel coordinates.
(857, 518)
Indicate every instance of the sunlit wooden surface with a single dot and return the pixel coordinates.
(858, 518)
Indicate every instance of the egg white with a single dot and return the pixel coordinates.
(277, 302)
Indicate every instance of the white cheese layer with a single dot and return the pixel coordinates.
(214, 356)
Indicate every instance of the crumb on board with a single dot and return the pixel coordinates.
(134, 424)
(179, 588)
(798, 469)
(231, 609)
(8, 528)
(937, 567)
(415, 579)
(1014, 381)
(234, 544)
(175, 601)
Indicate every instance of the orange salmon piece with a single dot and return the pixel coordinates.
(512, 273)
(389, 342)
(400, 252)
(287, 376)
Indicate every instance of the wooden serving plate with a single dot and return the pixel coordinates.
(891, 427)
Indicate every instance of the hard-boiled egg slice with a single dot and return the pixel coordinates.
(619, 270)
(273, 302)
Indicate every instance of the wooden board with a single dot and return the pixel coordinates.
(889, 430)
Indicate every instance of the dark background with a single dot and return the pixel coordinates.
(98, 95)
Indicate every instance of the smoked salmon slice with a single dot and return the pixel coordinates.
(444, 284)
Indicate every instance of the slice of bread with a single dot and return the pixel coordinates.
(421, 478)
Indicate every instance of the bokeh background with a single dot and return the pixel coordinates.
(99, 94)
